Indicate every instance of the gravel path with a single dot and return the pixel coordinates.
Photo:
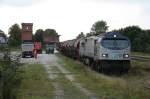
(50, 62)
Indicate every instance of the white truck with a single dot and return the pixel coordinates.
(50, 48)
(27, 49)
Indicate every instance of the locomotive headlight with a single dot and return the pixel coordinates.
(126, 56)
(104, 55)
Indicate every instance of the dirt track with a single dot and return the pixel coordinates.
(54, 69)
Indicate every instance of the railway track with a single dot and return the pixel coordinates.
(15, 56)
(140, 58)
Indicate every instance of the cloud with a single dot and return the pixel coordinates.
(19, 3)
(70, 17)
(131, 1)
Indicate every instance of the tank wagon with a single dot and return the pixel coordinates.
(108, 52)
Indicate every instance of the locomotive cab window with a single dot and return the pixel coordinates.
(116, 44)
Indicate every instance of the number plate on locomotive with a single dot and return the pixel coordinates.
(115, 56)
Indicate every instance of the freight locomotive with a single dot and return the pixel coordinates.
(107, 52)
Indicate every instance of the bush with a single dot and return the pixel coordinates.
(9, 80)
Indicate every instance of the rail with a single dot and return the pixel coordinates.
(16, 57)
(140, 58)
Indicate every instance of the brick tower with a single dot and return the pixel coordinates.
(27, 29)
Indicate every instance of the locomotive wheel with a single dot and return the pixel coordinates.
(101, 69)
(91, 62)
(97, 66)
(83, 59)
(105, 67)
(80, 59)
(93, 65)
(126, 66)
(87, 61)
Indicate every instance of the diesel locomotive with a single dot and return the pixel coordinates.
(107, 52)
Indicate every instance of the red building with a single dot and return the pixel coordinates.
(54, 38)
(27, 30)
(51, 39)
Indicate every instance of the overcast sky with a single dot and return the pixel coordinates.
(70, 17)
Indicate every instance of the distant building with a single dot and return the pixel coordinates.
(51, 38)
(27, 30)
(1, 31)
(3, 38)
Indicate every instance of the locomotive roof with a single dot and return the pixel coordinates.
(71, 42)
(91, 37)
(77, 41)
(113, 35)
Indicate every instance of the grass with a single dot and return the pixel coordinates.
(108, 87)
(35, 83)
(9, 80)
(140, 67)
(69, 90)
(15, 49)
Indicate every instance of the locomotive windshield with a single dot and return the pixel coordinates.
(115, 44)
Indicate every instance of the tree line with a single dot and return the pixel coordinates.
(14, 39)
(40, 33)
(140, 38)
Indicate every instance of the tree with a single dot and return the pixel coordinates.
(38, 36)
(88, 34)
(145, 41)
(50, 32)
(15, 35)
(99, 27)
(81, 35)
(140, 39)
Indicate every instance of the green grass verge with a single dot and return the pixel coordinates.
(141, 54)
(106, 87)
(140, 67)
(35, 83)
(9, 80)
(15, 49)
